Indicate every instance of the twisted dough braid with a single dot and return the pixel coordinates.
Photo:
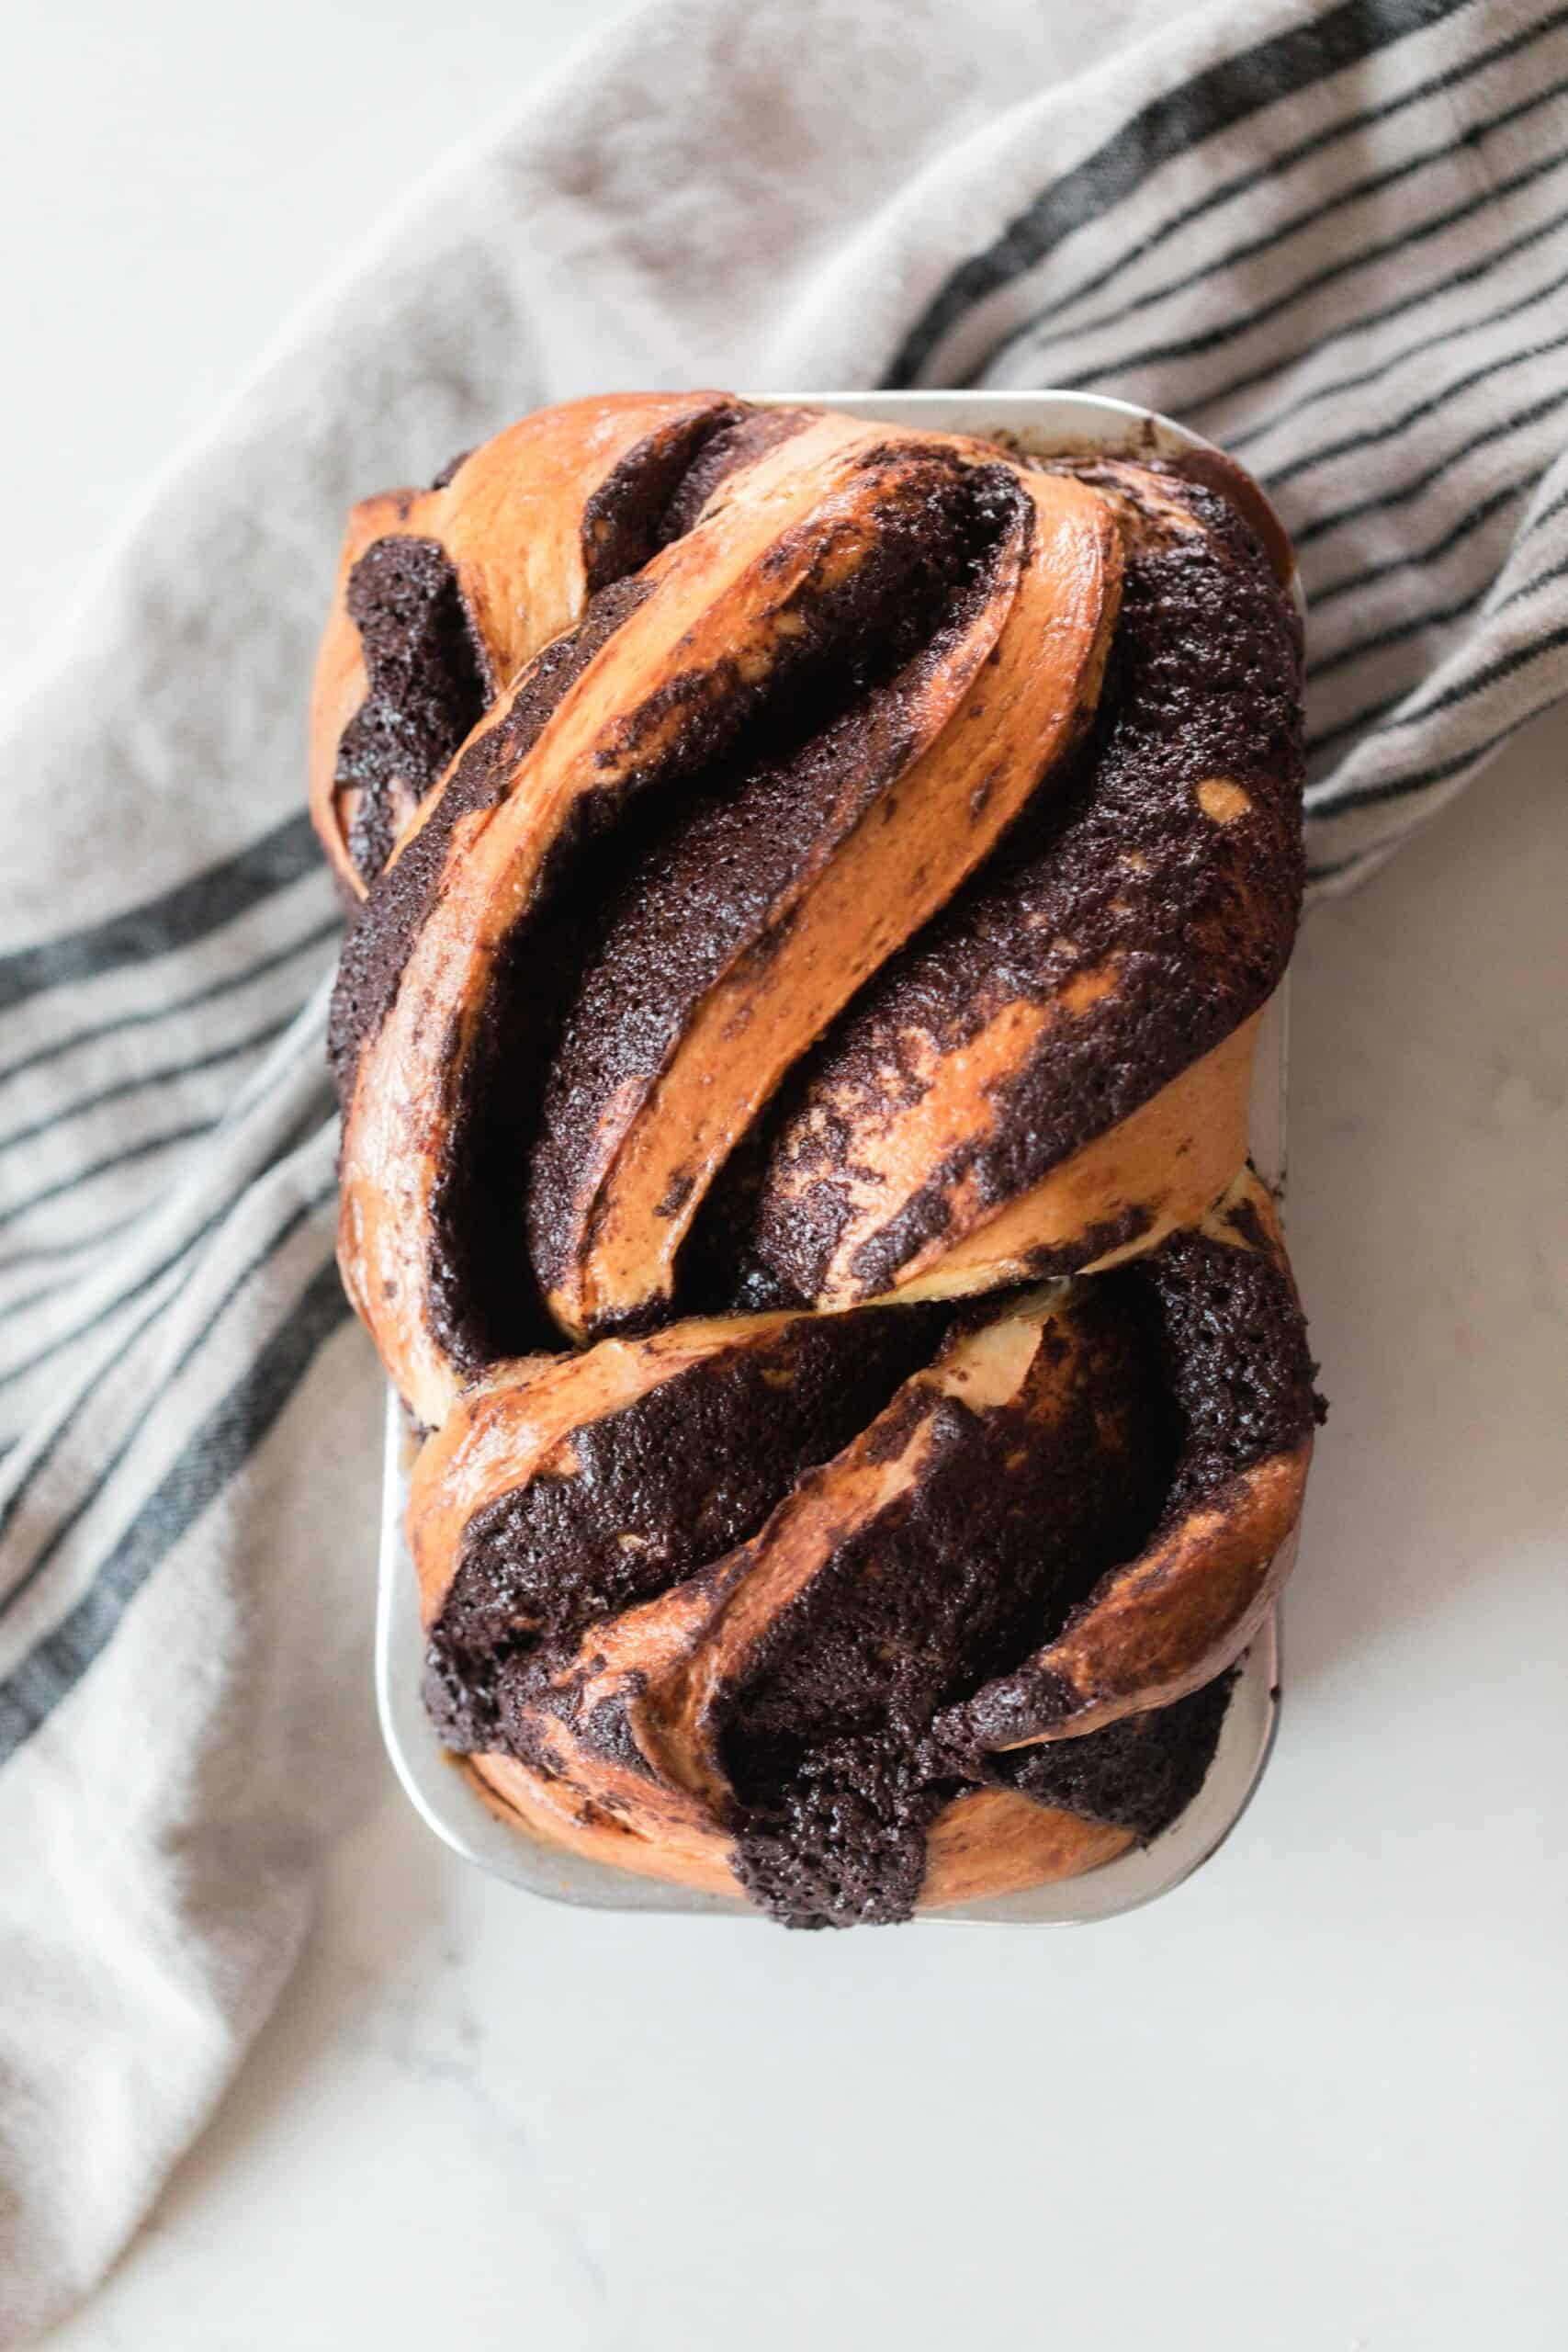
(820, 881)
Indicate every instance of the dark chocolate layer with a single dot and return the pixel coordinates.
(641, 506)
(1138, 1774)
(661, 1488)
(1235, 1359)
(670, 916)
(378, 947)
(841, 1842)
(427, 685)
(736, 445)
(853, 1724)
(486, 1286)
(632, 513)
(1237, 1374)
(1013, 1523)
(1115, 871)
(846, 1846)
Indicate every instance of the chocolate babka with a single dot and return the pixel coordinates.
(816, 884)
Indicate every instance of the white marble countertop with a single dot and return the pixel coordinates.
(1311, 2101)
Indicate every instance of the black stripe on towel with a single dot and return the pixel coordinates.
(1274, 166)
(302, 1213)
(1224, 94)
(229, 984)
(315, 1116)
(165, 1075)
(1462, 143)
(217, 1450)
(1445, 339)
(1207, 339)
(202, 903)
(1280, 363)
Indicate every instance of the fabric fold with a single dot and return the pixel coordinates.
(1333, 238)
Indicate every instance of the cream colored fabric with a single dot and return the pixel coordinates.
(1333, 237)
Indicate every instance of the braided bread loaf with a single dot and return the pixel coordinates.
(820, 881)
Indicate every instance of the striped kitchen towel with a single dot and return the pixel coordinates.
(1334, 238)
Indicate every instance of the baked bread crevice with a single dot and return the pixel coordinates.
(818, 883)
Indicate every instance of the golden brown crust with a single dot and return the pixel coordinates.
(999, 711)
(986, 1843)
(1169, 1621)
(518, 1424)
(991, 1841)
(1025, 1362)
(721, 606)
(651, 586)
(552, 1810)
(998, 1083)
(516, 524)
(1164, 1165)
(723, 600)
(625, 1728)
(1172, 1621)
